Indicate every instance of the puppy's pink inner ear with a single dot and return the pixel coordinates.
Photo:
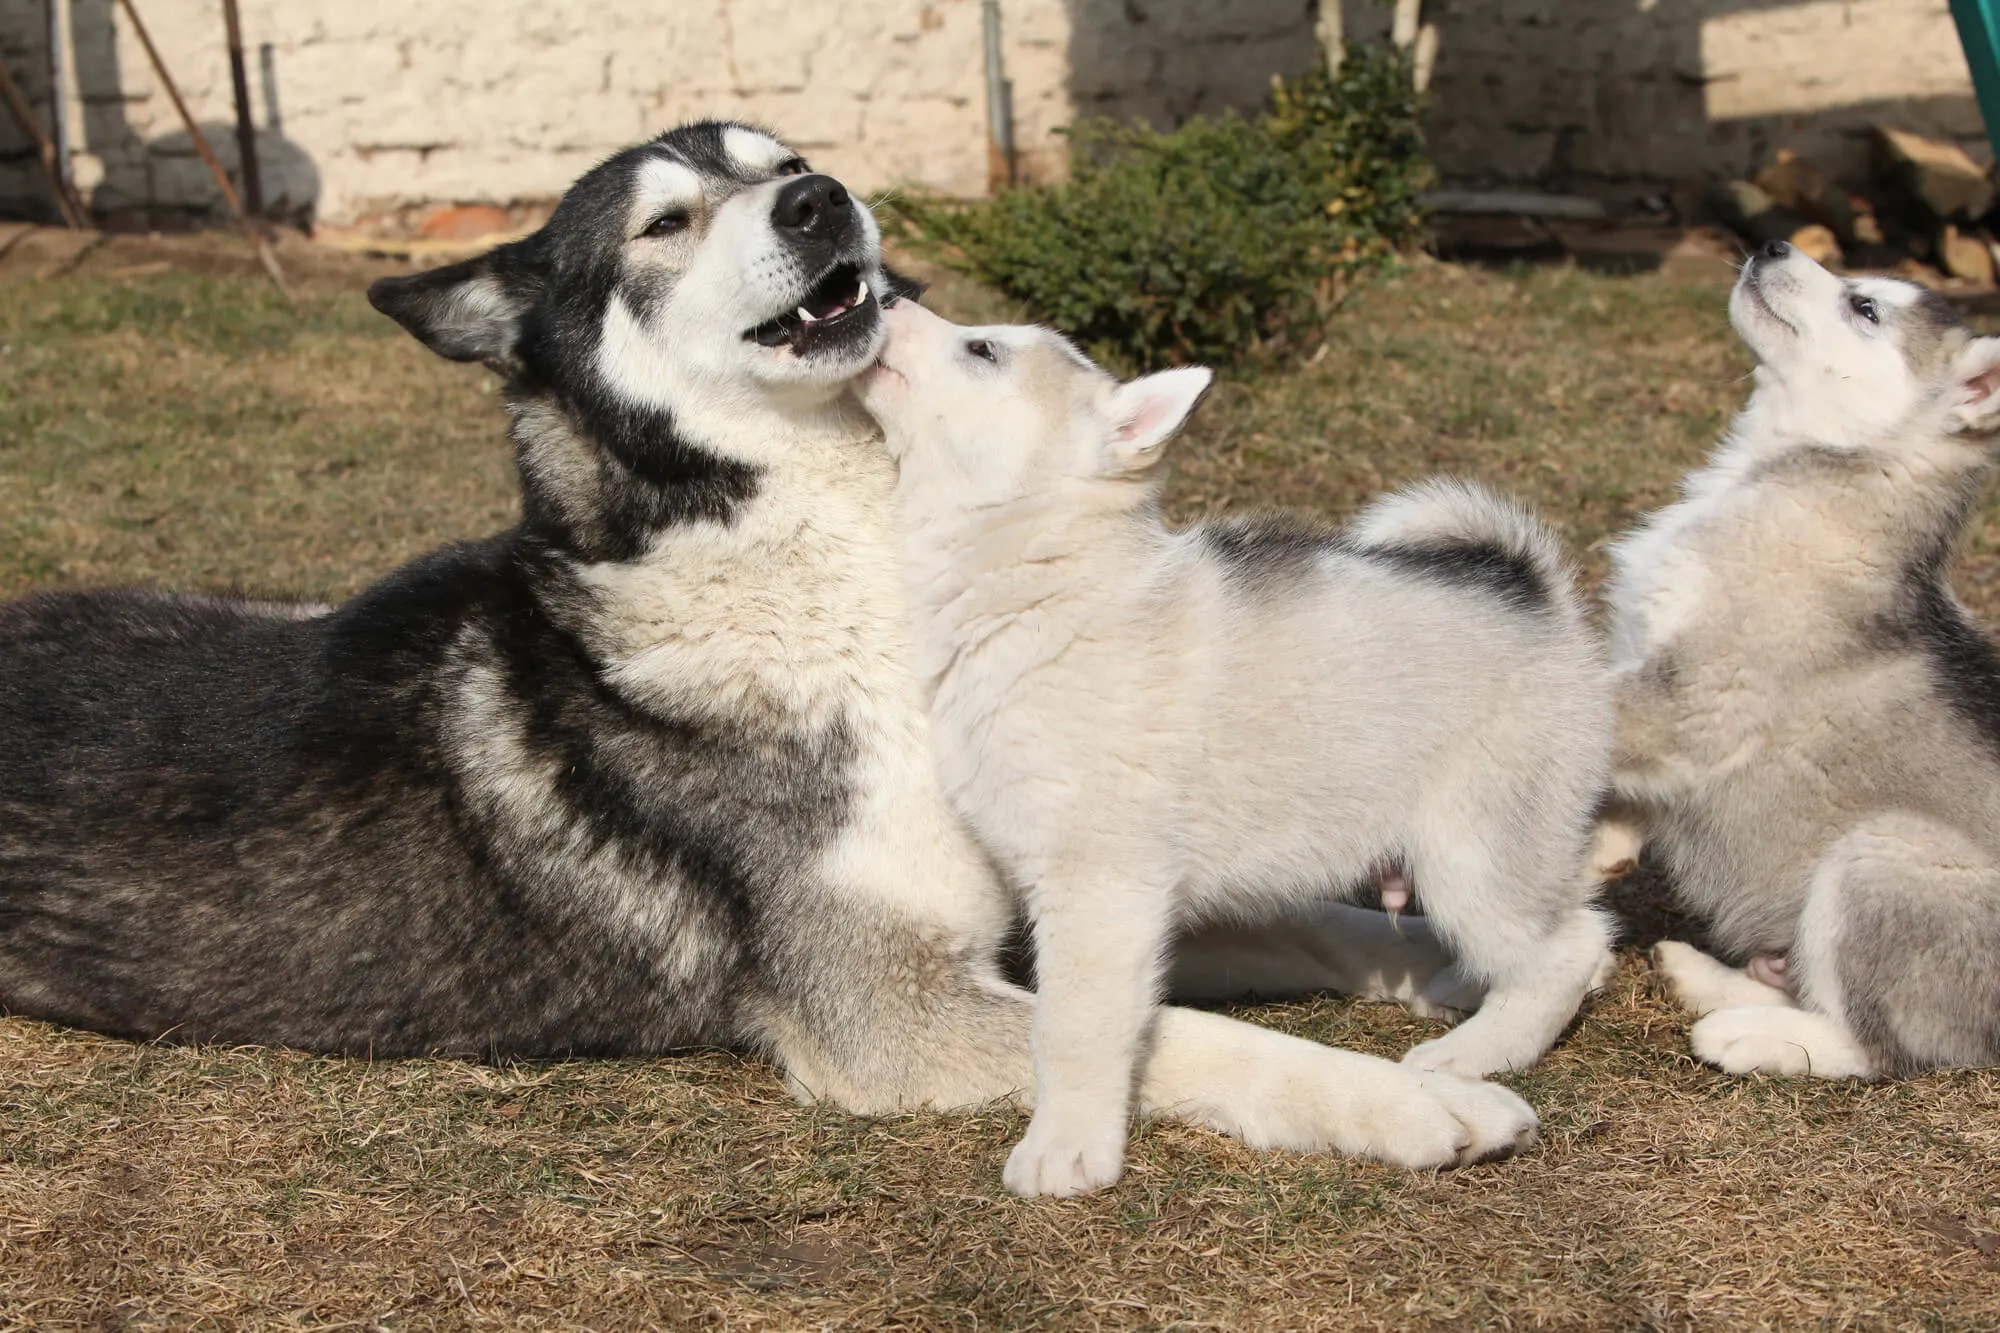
(1982, 386)
(1149, 417)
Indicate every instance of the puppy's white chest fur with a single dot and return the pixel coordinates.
(1664, 578)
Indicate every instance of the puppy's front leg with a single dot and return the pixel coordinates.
(1099, 942)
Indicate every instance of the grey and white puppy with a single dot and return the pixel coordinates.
(1809, 721)
(1147, 726)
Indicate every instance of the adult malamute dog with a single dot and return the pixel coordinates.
(1148, 726)
(650, 769)
(1810, 722)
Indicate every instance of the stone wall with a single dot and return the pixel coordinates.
(1665, 90)
(371, 106)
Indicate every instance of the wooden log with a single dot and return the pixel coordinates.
(1938, 177)
(1796, 183)
(1966, 254)
(1758, 218)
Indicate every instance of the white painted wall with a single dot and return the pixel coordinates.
(384, 104)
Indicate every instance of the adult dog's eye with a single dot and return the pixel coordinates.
(1865, 308)
(793, 167)
(982, 349)
(666, 224)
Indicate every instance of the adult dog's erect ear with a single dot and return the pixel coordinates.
(469, 311)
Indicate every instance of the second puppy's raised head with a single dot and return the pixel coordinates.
(1860, 362)
(1001, 412)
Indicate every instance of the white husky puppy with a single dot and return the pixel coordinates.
(1146, 726)
(1809, 721)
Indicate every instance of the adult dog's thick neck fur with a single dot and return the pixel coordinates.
(1794, 670)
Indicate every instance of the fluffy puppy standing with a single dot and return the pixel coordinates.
(1146, 726)
(1809, 721)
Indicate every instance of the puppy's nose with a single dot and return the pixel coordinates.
(1775, 250)
(814, 206)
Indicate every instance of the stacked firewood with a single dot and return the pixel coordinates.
(1927, 209)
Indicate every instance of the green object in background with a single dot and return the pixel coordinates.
(1979, 33)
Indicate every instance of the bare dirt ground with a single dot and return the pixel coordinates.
(166, 415)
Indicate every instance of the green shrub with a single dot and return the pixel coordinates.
(1221, 240)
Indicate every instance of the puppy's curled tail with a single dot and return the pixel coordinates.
(1467, 534)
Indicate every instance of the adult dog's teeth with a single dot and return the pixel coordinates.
(861, 292)
(808, 316)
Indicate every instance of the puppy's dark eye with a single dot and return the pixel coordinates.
(1865, 308)
(666, 224)
(795, 166)
(982, 349)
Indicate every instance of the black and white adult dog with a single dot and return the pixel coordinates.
(650, 769)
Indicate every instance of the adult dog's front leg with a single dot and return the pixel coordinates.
(1098, 946)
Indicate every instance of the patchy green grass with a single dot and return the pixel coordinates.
(191, 428)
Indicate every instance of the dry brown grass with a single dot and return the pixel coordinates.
(191, 428)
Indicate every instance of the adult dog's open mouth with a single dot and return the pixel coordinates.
(837, 302)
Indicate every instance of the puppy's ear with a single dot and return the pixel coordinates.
(1147, 412)
(1975, 405)
(471, 311)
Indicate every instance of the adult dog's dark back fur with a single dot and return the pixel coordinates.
(240, 822)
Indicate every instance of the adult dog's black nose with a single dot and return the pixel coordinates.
(815, 207)
(1775, 250)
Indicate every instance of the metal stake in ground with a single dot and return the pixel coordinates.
(59, 103)
(23, 113)
(246, 131)
(265, 255)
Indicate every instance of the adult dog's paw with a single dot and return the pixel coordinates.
(1065, 1160)
(1397, 1115)
(1497, 1121)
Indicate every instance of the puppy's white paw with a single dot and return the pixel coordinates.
(1684, 968)
(1701, 984)
(1770, 1039)
(1066, 1159)
(1742, 1041)
(1460, 1059)
(1481, 1046)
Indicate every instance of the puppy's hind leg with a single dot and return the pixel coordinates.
(1894, 962)
(1506, 894)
